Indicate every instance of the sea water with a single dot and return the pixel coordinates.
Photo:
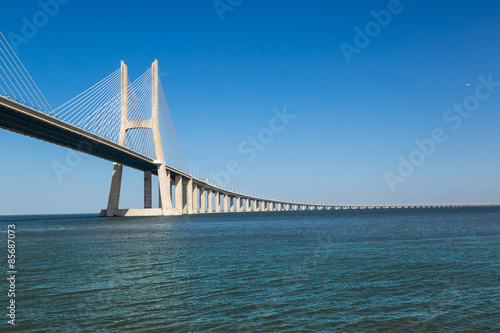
(384, 270)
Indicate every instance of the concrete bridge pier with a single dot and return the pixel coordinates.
(194, 199)
(203, 206)
(178, 195)
(210, 201)
(185, 192)
(217, 202)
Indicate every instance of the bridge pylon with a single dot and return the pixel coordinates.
(164, 185)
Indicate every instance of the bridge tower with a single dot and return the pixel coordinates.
(164, 176)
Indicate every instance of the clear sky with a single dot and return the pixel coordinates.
(364, 80)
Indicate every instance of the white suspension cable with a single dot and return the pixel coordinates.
(8, 77)
(65, 105)
(95, 107)
(4, 92)
(71, 110)
(17, 75)
(8, 87)
(105, 105)
(37, 90)
(25, 82)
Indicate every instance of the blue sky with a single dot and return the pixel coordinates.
(354, 121)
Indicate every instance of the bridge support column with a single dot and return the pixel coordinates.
(231, 204)
(165, 189)
(165, 195)
(186, 192)
(217, 202)
(203, 206)
(248, 207)
(256, 205)
(147, 190)
(238, 204)
(184, 197)
(210, 200)
(114, 192)
(163, 173)
(226, 203)
(189, 196)
(194, 198)
(178, 195)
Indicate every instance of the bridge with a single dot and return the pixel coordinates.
(118, 120)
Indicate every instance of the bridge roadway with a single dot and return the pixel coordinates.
(194, 194)
(25, 120)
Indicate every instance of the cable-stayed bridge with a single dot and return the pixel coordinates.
(119, 120)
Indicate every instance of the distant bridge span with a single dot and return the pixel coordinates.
(180, 193)
(28, 121)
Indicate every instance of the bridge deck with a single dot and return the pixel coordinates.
(22, 119)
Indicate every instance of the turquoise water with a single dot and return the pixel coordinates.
(410, 270)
